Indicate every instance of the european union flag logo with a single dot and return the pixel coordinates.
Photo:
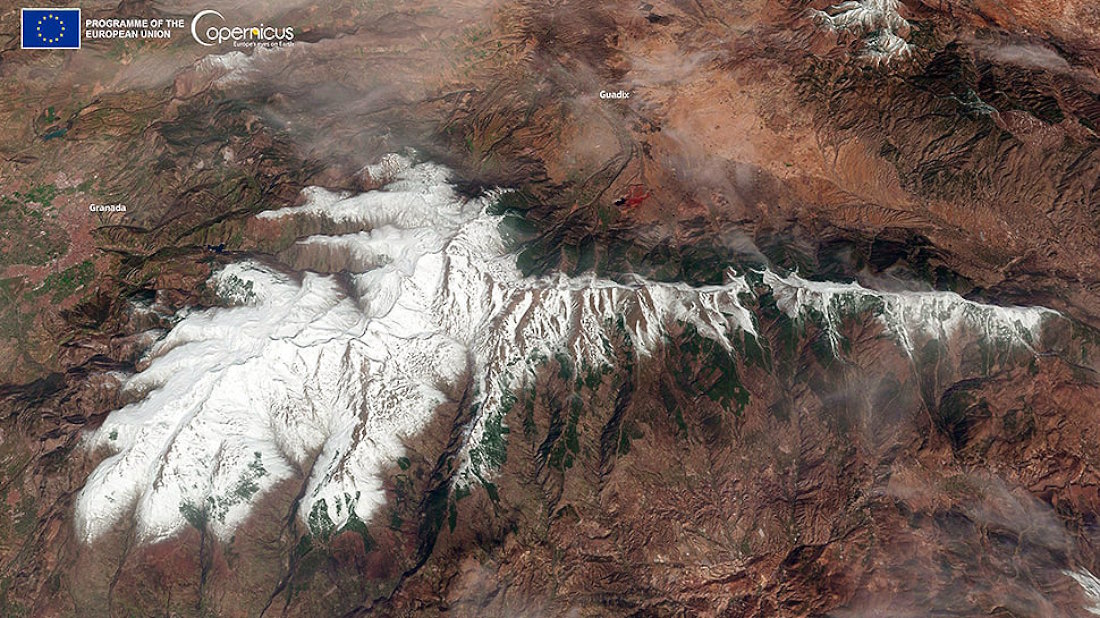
(51, 28)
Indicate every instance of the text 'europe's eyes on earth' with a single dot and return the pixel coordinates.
(550, 309)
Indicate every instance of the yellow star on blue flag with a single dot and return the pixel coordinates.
(51, 28)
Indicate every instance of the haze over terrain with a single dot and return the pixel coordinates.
(555, 308)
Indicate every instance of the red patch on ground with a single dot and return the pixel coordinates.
(635, 195)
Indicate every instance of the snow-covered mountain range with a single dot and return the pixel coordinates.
(325, 375)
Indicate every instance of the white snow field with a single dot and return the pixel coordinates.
(329, 373)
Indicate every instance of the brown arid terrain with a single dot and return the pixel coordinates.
(815, 469)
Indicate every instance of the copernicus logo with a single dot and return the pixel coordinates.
(50, 28)
(209, 28)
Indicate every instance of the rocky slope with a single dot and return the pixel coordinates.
(742, 344)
